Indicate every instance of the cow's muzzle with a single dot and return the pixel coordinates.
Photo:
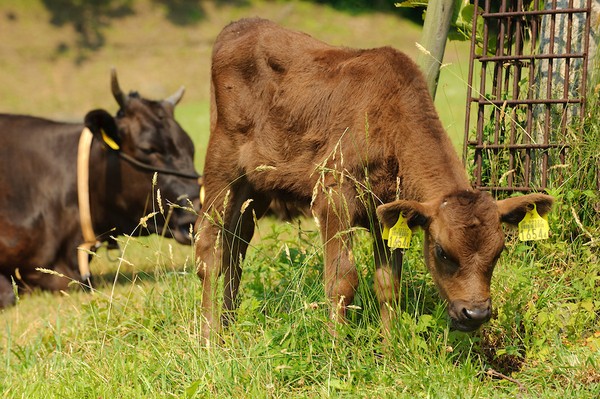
(182, 224)
(182, 235)
(469, 316)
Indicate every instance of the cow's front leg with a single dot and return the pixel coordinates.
(61, 275)
(7, 293)
(388, 271)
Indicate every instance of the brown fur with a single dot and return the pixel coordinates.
(338, 132)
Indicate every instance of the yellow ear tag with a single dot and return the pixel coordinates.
(110, 142)
(398, 235)
(533, 226)
(385, 234)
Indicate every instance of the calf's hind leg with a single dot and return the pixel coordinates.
(236, 239)
(220, 249)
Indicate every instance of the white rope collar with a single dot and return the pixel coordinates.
(83, 197)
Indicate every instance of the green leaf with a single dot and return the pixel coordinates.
(193, 388)
(412, 3)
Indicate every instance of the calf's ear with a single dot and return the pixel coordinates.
(512, 210)
(104, 128)
(415, 213)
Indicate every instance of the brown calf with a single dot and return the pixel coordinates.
(342, 132)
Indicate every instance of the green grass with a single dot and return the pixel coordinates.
(137, 335)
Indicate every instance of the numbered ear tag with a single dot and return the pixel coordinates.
(533, 226)
(399, 235)
(109, 141)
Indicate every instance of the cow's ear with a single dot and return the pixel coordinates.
(512, 210)
(415, 213)
(104, 128)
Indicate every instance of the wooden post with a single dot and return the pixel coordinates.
(435, 34)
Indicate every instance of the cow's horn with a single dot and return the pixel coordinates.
(116, 90)
(175, 98)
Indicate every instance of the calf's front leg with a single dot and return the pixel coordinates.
(340, 275)
(388, 273)
(220, 249)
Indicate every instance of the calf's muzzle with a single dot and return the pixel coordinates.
(468, 315)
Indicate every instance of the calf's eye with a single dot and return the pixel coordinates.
(440, 253)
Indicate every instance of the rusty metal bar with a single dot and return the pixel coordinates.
(547, 124)
(521, 124)
(584, 69)
(470, 84)
(521, 189)
(516, 94)
(532, 13)
(481, 109)
(547, 101)
(530, 126)
(484, 146)
(527, 57)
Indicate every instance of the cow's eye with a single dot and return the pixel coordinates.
(149, 150)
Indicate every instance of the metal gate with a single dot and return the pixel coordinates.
(526, 91)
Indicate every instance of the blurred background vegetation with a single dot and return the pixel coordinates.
(55, 55)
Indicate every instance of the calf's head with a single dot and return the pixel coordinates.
(147, 138)
(463, 241)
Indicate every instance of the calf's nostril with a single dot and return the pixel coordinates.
(477, 314)
(467, 313)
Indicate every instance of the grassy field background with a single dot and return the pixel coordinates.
(50, 68)
(137, 334)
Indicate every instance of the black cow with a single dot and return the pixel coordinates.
(39, 209)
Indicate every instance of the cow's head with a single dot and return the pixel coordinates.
(146, 138)
(463, 241)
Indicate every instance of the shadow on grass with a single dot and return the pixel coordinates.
(90, 19)
(109, 278)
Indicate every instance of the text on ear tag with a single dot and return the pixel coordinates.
(109, 141)
(533, 226)
(399, 235)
